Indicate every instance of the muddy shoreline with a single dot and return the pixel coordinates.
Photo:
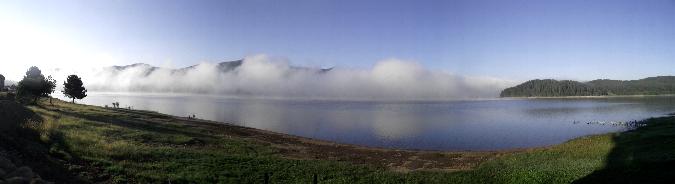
(297, 147)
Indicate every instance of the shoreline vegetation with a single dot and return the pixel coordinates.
(74, 143)
(602, 87)
(581, 97)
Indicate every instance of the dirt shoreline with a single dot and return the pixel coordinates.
(303, 148)
(296, 147)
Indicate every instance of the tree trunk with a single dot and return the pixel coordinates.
(73, 100)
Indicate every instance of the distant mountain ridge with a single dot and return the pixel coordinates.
(602, 87)
(226, 66)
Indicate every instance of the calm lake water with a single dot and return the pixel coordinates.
(449, 125)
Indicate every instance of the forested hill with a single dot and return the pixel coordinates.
(603, 87)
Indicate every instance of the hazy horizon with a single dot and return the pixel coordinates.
(264, 76)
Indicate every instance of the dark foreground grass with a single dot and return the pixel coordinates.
(98, 144)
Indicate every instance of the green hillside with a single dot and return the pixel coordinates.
(602, 87)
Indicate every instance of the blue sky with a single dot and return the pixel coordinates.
(515, 40)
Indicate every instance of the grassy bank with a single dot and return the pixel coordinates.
(95, 144)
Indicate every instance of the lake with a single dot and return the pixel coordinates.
(439, 125)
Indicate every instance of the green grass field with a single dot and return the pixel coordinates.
(95, 144)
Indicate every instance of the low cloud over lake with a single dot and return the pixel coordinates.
(263, 76)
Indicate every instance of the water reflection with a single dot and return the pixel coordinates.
(397, 124)
(264, 116)
(453, 125)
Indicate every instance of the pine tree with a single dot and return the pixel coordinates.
(73, 88)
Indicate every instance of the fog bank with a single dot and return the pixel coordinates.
(262, 76)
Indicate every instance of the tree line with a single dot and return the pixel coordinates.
(601, 87)
(35, 85)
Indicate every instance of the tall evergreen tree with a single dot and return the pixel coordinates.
(73, 88)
